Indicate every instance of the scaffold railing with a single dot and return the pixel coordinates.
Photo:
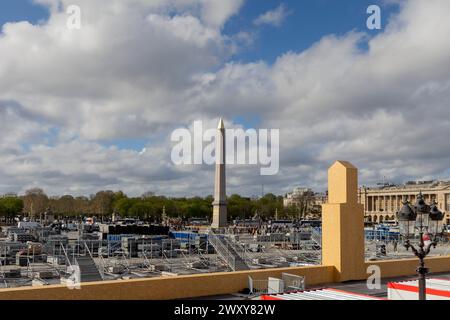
(222, 250)
(316, 236)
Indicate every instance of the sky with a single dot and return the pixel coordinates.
(94, 108)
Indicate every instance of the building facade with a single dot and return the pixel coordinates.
(305, 197)
(293, 198)
(382, 203)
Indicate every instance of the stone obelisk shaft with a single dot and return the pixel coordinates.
(220, 195)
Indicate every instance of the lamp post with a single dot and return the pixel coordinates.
(427, 221)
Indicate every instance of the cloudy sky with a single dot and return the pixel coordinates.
(92, 109)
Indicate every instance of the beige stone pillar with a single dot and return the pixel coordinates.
(343, 224)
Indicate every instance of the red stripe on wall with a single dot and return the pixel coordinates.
(434, 292)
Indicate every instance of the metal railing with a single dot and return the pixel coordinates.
(293, 282)
(29, 267)
(65, 255)
(102, 266)
(287, 283)
(146, 263)
(222, 250)
(316, 236)
(240, 250)
(258, 287)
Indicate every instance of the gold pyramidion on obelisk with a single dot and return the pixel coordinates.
(220, 195)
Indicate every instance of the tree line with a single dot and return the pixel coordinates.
(10, 207)
(148, 206)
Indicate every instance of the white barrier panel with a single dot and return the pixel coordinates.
(436, 289)
(320, 294)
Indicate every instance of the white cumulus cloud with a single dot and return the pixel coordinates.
(274, 17)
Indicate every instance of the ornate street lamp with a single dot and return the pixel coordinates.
(436, 221)
(427, 221)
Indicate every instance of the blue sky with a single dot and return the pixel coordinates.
(20, 10)
(308, 21)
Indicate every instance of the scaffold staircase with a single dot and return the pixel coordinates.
(227, 252)
(88, 269)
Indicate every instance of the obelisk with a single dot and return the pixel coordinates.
(220, 195)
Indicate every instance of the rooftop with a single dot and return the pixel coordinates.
(413, 185)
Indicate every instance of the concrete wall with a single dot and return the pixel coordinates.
(407, 267)
(165, 287)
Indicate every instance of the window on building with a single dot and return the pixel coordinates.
(447, 202)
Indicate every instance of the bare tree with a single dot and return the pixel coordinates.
(102, 203)
(35, 201)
